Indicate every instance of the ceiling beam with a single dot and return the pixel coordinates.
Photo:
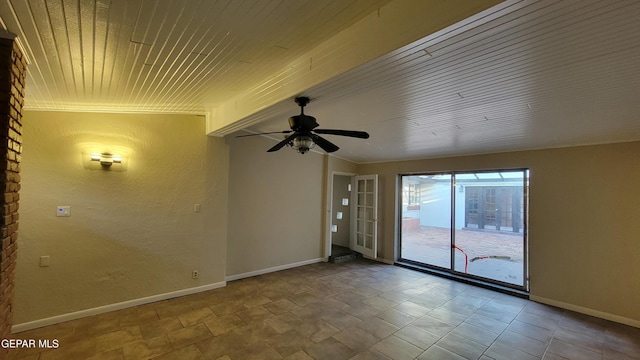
(396, 24)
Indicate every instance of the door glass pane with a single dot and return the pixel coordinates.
(426, 219)
(369, 213)
(489, 225)
(370, 227)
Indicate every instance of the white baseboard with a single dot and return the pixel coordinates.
(112, 307)
(384, 261)
(272, 269)
(587, 311)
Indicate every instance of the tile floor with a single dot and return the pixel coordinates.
(353, 310)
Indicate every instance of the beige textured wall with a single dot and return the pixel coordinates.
(134, 234)
(131, 234)
(584, 228)
(275, 206)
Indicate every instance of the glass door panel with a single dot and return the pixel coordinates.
(426, 219)
(489, 231)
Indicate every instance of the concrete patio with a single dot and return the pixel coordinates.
(491, 254)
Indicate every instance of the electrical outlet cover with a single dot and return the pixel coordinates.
(45, 260)
(63, 211)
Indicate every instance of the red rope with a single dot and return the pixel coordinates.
(466, 258)
(491, 257)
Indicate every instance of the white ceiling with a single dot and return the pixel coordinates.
(520, 75)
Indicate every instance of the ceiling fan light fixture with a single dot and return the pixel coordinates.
(302, 144)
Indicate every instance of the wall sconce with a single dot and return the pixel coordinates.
(106, 159)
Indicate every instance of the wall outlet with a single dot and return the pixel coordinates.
(194, 274)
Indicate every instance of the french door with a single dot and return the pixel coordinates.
(365, 237)
(468, 223)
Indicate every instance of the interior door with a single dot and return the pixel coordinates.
(365, 217)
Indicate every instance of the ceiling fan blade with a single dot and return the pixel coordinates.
(282, 143)
(265, 133)
(325, 144)
(351, 133)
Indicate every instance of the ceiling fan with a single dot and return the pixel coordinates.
(304, 135)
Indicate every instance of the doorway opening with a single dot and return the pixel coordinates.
(470, 224)
(341, 205)
(353, 217)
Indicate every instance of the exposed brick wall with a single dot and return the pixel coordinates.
(12, 81)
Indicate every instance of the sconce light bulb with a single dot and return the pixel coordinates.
(106, 159)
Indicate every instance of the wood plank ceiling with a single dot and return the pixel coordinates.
(164, 55)
(521, 75)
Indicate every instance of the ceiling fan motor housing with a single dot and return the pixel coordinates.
(302, 123)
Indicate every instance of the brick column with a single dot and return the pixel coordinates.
(12, 81)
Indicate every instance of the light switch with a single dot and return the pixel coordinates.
(63, 211)
(197, 207)
(45, 261)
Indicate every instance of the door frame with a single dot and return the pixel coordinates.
(497, 284)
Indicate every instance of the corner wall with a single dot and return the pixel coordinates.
(275, 207)
(131, 234)
(583, 222)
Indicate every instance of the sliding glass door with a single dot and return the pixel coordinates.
(468, 223)
(426, 219)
